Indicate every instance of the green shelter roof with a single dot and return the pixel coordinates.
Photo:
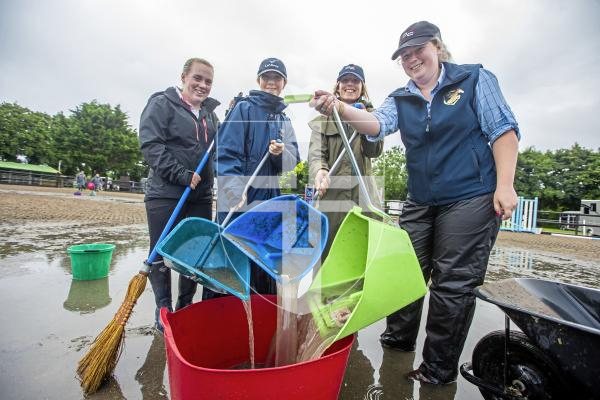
(27, 167)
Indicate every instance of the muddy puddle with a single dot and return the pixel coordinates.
(49, 320)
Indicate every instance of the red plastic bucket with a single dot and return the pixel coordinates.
(206, 338)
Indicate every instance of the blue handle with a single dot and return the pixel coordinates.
(179, 205)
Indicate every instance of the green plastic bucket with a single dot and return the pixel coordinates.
(90, 261)
(371, 271)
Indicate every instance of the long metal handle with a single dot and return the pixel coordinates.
(361, 183)
(335, 165)
(177, 210)
(250, 181)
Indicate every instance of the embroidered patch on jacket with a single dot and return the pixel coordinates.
(452, 97)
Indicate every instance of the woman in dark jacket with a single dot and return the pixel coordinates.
(176, 129)
(251, 129)
(461, 142)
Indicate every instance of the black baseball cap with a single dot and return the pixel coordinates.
(274, 65)
(352, 69)
(417, 34)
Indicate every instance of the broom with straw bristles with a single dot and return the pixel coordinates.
(102, 357)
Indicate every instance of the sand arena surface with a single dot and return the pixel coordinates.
(54, 318)
(41, 204)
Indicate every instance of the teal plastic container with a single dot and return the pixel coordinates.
(90, 261)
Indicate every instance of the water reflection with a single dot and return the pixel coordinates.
(53, 238)
(437, 392)
(512, 262)
(389, 382)
(87, 296)
(392, 374)
(150, 374)
(359, 374)
(111, 389)
(514, 259)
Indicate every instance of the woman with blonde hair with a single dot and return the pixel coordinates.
(177, 127)
(461, 141)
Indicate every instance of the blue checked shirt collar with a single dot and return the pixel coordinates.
(412, 87)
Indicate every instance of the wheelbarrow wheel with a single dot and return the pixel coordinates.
(531, 374)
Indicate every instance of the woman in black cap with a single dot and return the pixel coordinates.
(336, 192)
(461, 142)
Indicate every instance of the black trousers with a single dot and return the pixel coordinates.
(158, 212)
(453, 244)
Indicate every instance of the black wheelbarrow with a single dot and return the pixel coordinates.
(558, 354)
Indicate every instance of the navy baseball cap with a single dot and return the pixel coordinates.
(417, 34)
(274, 65)
(352, 69)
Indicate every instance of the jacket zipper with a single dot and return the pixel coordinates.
(196, 126)
(428, 139)
(198, 130)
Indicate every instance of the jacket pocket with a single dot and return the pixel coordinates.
(477, 165)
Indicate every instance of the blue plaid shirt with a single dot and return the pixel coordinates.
(494, 114)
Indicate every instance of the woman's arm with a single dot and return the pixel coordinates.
(361, 120)
(505, 150)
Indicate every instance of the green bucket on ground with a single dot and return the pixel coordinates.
(371, 271)
(90, 261)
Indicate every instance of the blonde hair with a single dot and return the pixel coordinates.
(188, 65)
(444, 54)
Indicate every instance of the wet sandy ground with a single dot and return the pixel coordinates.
(48, 319)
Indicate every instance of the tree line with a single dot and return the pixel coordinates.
(95, 138)
(558, 178)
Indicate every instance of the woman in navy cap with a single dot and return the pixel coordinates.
(337, 193)
(251, 128)
(461, 142)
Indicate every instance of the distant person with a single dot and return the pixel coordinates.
(326, 145)
(176, 129)
(251, 130)
(461, 142)
(97, 182)
(80, 181)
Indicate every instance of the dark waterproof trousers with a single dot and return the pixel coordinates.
(158, 212)
(453, 244)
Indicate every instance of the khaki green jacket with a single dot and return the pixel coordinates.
(325, 147)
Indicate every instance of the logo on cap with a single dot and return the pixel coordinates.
(271, 63)
(407, 34)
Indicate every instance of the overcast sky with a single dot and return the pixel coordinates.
(57, 54)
